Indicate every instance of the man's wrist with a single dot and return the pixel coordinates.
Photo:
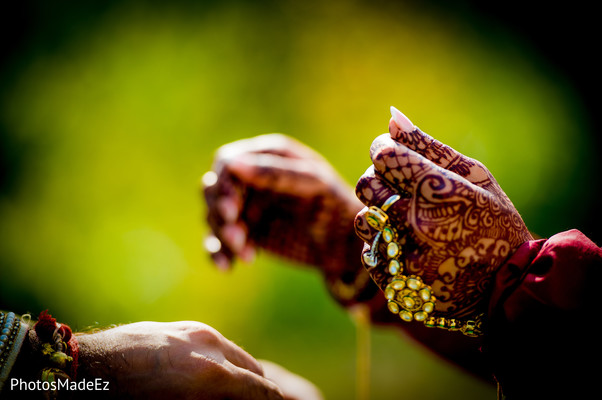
(13, 334)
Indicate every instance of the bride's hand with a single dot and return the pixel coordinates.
(455, 224)
(275, 193)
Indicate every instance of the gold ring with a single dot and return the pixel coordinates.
(377, 216)
(370, 258)
(389, 202)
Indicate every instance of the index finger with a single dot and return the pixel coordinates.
(247, 385)
(239, 357)
(225, 380)
(405, 132)
(398, 165)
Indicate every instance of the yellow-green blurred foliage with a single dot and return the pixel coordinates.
(117, 121)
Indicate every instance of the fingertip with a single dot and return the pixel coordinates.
(362, 229)
(272, 389)
(379, 143)
(248, 253)
(401, 121)
(222, 262)
(363, 182)
(251, 385)
(213, 245)
(292, 385)
(229, 208)
(234, 236)
(369, 171)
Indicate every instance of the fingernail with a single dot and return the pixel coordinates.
(221, 261)
(228, 208)
(247, 254)
(235, 236)
(401, 120)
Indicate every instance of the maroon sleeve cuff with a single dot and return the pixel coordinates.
(542, 316)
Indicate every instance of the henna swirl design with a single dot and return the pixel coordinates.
(459, 225)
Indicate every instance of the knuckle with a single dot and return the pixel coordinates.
(206, 335)
(198, 331)
(477, 163)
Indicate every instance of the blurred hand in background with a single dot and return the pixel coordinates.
(275, 193)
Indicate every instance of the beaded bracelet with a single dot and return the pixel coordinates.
(59, 348)
(51, 350)
(13, 333)
(407, 295)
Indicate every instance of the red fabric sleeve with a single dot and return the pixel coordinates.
(543, 333)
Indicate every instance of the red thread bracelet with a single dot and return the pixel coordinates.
(47, 328)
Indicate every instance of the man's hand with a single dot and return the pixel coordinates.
(293, 386)
(178, 360)
(456, 224)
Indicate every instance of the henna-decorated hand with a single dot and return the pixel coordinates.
(456, 224)
(275, 193)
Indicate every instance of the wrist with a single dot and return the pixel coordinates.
(48, 354)
(346, 278)
(96, 361)
(12, 338)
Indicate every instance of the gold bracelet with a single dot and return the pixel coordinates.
(408, 296)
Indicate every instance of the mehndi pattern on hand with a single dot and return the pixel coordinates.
(458, 224)
(274, 193)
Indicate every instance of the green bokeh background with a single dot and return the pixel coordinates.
(109, 115)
